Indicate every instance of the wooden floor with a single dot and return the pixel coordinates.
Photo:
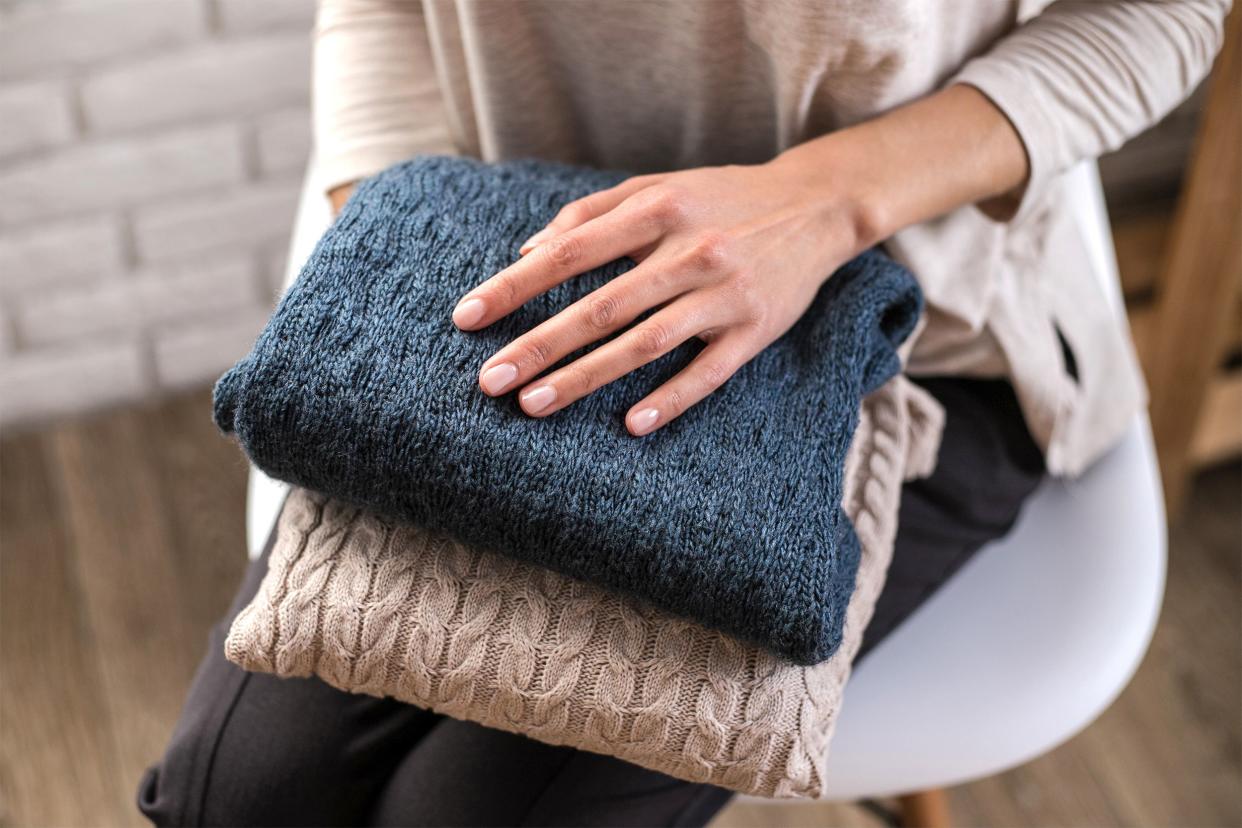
(121, 541)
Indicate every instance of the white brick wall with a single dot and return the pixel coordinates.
(223, 78)
(50, 254)
(150, 152)
(262, 15)
(35, 116)
(191, 356)
(284, 143)
(51, 382)
(145, 301)
(96, 177)
(52, 37)
(244, 216)
(150, 158)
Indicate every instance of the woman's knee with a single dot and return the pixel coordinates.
(247, 771)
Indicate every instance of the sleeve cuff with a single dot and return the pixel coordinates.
(1018, 99)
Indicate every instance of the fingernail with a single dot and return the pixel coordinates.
(497, 378)
(537, 399)
(644, 421)
(535, 240)
(468, 312)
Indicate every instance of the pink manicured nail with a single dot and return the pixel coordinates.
(534, 241)
(499, 377)
(537, 399)
(644, 421)
(468, 312)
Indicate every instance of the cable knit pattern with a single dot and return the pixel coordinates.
(378, 607)
(360, 387)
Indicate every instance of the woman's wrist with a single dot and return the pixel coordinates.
(917, 162)
(824, 181)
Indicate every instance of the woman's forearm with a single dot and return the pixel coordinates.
(914, 163)
(374, 93)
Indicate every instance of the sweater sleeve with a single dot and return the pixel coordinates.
(375, 100)
(1084, 76)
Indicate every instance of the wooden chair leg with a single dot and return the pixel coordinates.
(925, 809)
(1202, 270)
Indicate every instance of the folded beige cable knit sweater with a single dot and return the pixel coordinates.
(371, 606)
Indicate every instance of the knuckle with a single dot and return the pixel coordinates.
(563, 251)
(603, 312)
(759, 316)
(667, 205)
(538, 351)
(576, 212)
(762, 314)
(505, 289)
(715, 374)
(651, 340)
(675, 403)
(710, 252)
(579, 377)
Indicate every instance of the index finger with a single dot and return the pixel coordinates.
(584, 209)
(598, 241)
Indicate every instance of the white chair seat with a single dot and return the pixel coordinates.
(1020, 650)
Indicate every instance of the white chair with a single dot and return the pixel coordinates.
(1021, 649)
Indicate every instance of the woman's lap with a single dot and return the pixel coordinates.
(988, 466)
(252, 749)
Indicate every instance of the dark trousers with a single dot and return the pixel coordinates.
(252, 749)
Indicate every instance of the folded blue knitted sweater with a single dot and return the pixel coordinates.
(361, 387)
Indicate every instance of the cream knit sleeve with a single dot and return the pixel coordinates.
(375, 96)
(1083, 76)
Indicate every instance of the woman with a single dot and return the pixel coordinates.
(773, 141)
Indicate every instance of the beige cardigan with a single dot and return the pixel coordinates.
(648, 85)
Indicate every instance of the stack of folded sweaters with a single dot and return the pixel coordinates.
(689, 601)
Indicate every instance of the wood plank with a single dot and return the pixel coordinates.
(1233, 336)
(1142, 321)
(795, 814)
(1150, 166)
(1218, 436)
(925, 809)
(1140, 241)
(202, 479)
(57, 752)
(1202, 272)
(152, 498)
(117, 518)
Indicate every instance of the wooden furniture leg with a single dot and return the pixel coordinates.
(1202, 271)
(925, 809)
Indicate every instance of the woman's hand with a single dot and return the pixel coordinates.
(732, 255)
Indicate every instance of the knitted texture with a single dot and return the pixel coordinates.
(377, 607)
(360, 387)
